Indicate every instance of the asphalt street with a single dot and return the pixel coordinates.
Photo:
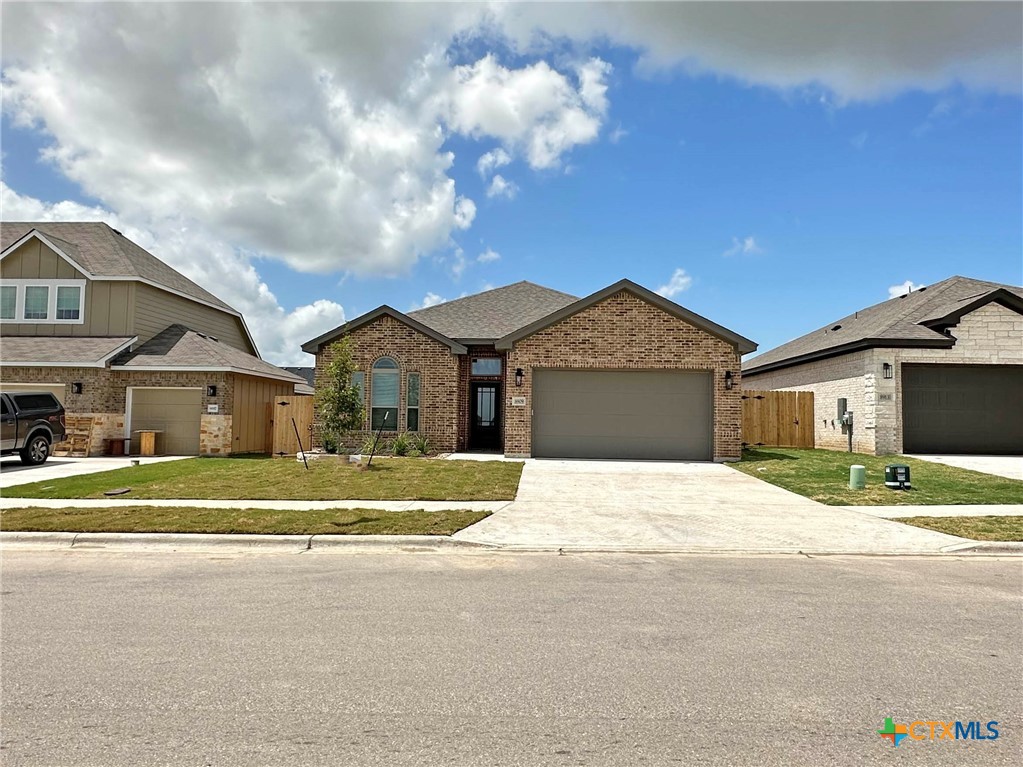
(481, 658)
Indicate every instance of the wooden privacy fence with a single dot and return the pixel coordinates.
(283, 409)
(777, 418)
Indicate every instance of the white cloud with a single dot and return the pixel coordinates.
(745, 246)
(488, 255)
(309, 133)
(430, 299)
(679, 282)
(859, 140)
(492, 160)
(501, 187)
(617, 134)
(903, 288)
(536, 110)
(458, 263)
(856, 51)
(208, 261)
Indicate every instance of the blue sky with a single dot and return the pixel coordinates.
(786, 207)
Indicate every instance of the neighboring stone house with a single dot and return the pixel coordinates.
(939, 370)
(122, 338)
(530, 371)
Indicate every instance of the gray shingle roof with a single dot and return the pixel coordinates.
(494, 313)
(178, 346)
(58, 350)
(897, 321)
(105, 252)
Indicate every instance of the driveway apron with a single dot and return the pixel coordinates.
(652, 506)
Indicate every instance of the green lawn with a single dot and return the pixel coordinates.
(977, 528)
(249, 479)
(823, 475)
(151, 519)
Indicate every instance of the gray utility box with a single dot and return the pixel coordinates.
(896, 476)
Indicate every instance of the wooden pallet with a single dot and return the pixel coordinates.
(78, 437)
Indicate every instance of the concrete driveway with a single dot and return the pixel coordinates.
(1010, 466)
(660, 506)
(13, 472)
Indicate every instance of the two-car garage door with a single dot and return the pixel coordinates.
(634, 414)
(962, 409)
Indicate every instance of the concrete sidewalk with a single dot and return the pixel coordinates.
(1009, 466)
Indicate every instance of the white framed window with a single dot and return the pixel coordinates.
(37, 302)
(8, 302)
(43, 301)
(69, 302)
(385, 388)
(412, 402)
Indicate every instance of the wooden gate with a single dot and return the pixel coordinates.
(284, 409)
(778, 418)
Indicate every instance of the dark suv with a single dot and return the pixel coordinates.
(32, 423)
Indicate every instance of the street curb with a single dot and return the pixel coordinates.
(298, 543)
(207, 540)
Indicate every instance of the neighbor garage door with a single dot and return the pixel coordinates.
(57, 390)
(175, 412)
(622, 414)
(962, 409)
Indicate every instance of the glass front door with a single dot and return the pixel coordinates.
(485, 416)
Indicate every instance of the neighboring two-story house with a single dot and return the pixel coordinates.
(123, 339)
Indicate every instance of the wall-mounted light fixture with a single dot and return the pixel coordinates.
(519, 376)
(76, 387)
(211, 391)
(728, 379)
(887, 370)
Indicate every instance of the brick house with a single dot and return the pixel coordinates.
(530, 371)
(128, 343)
(939, 370)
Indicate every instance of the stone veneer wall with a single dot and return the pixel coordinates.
(104, 395)
(414, 352)
(215, 435)
(625, 332)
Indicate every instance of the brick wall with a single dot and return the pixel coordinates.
(625, 332)
(414, 352)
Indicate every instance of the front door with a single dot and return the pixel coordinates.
(485, 416)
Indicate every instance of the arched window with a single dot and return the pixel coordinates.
(384, 395)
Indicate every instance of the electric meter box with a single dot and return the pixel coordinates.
(896, 476)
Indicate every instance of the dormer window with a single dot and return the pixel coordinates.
(43, 301)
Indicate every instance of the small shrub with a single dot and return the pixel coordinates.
(384, 446)
(420, 444)
(402, 444)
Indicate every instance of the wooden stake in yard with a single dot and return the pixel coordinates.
(301, 449)
(376, 439)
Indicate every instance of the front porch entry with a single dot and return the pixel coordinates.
(485, 416)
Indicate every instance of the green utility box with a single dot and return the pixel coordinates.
(896, 476)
